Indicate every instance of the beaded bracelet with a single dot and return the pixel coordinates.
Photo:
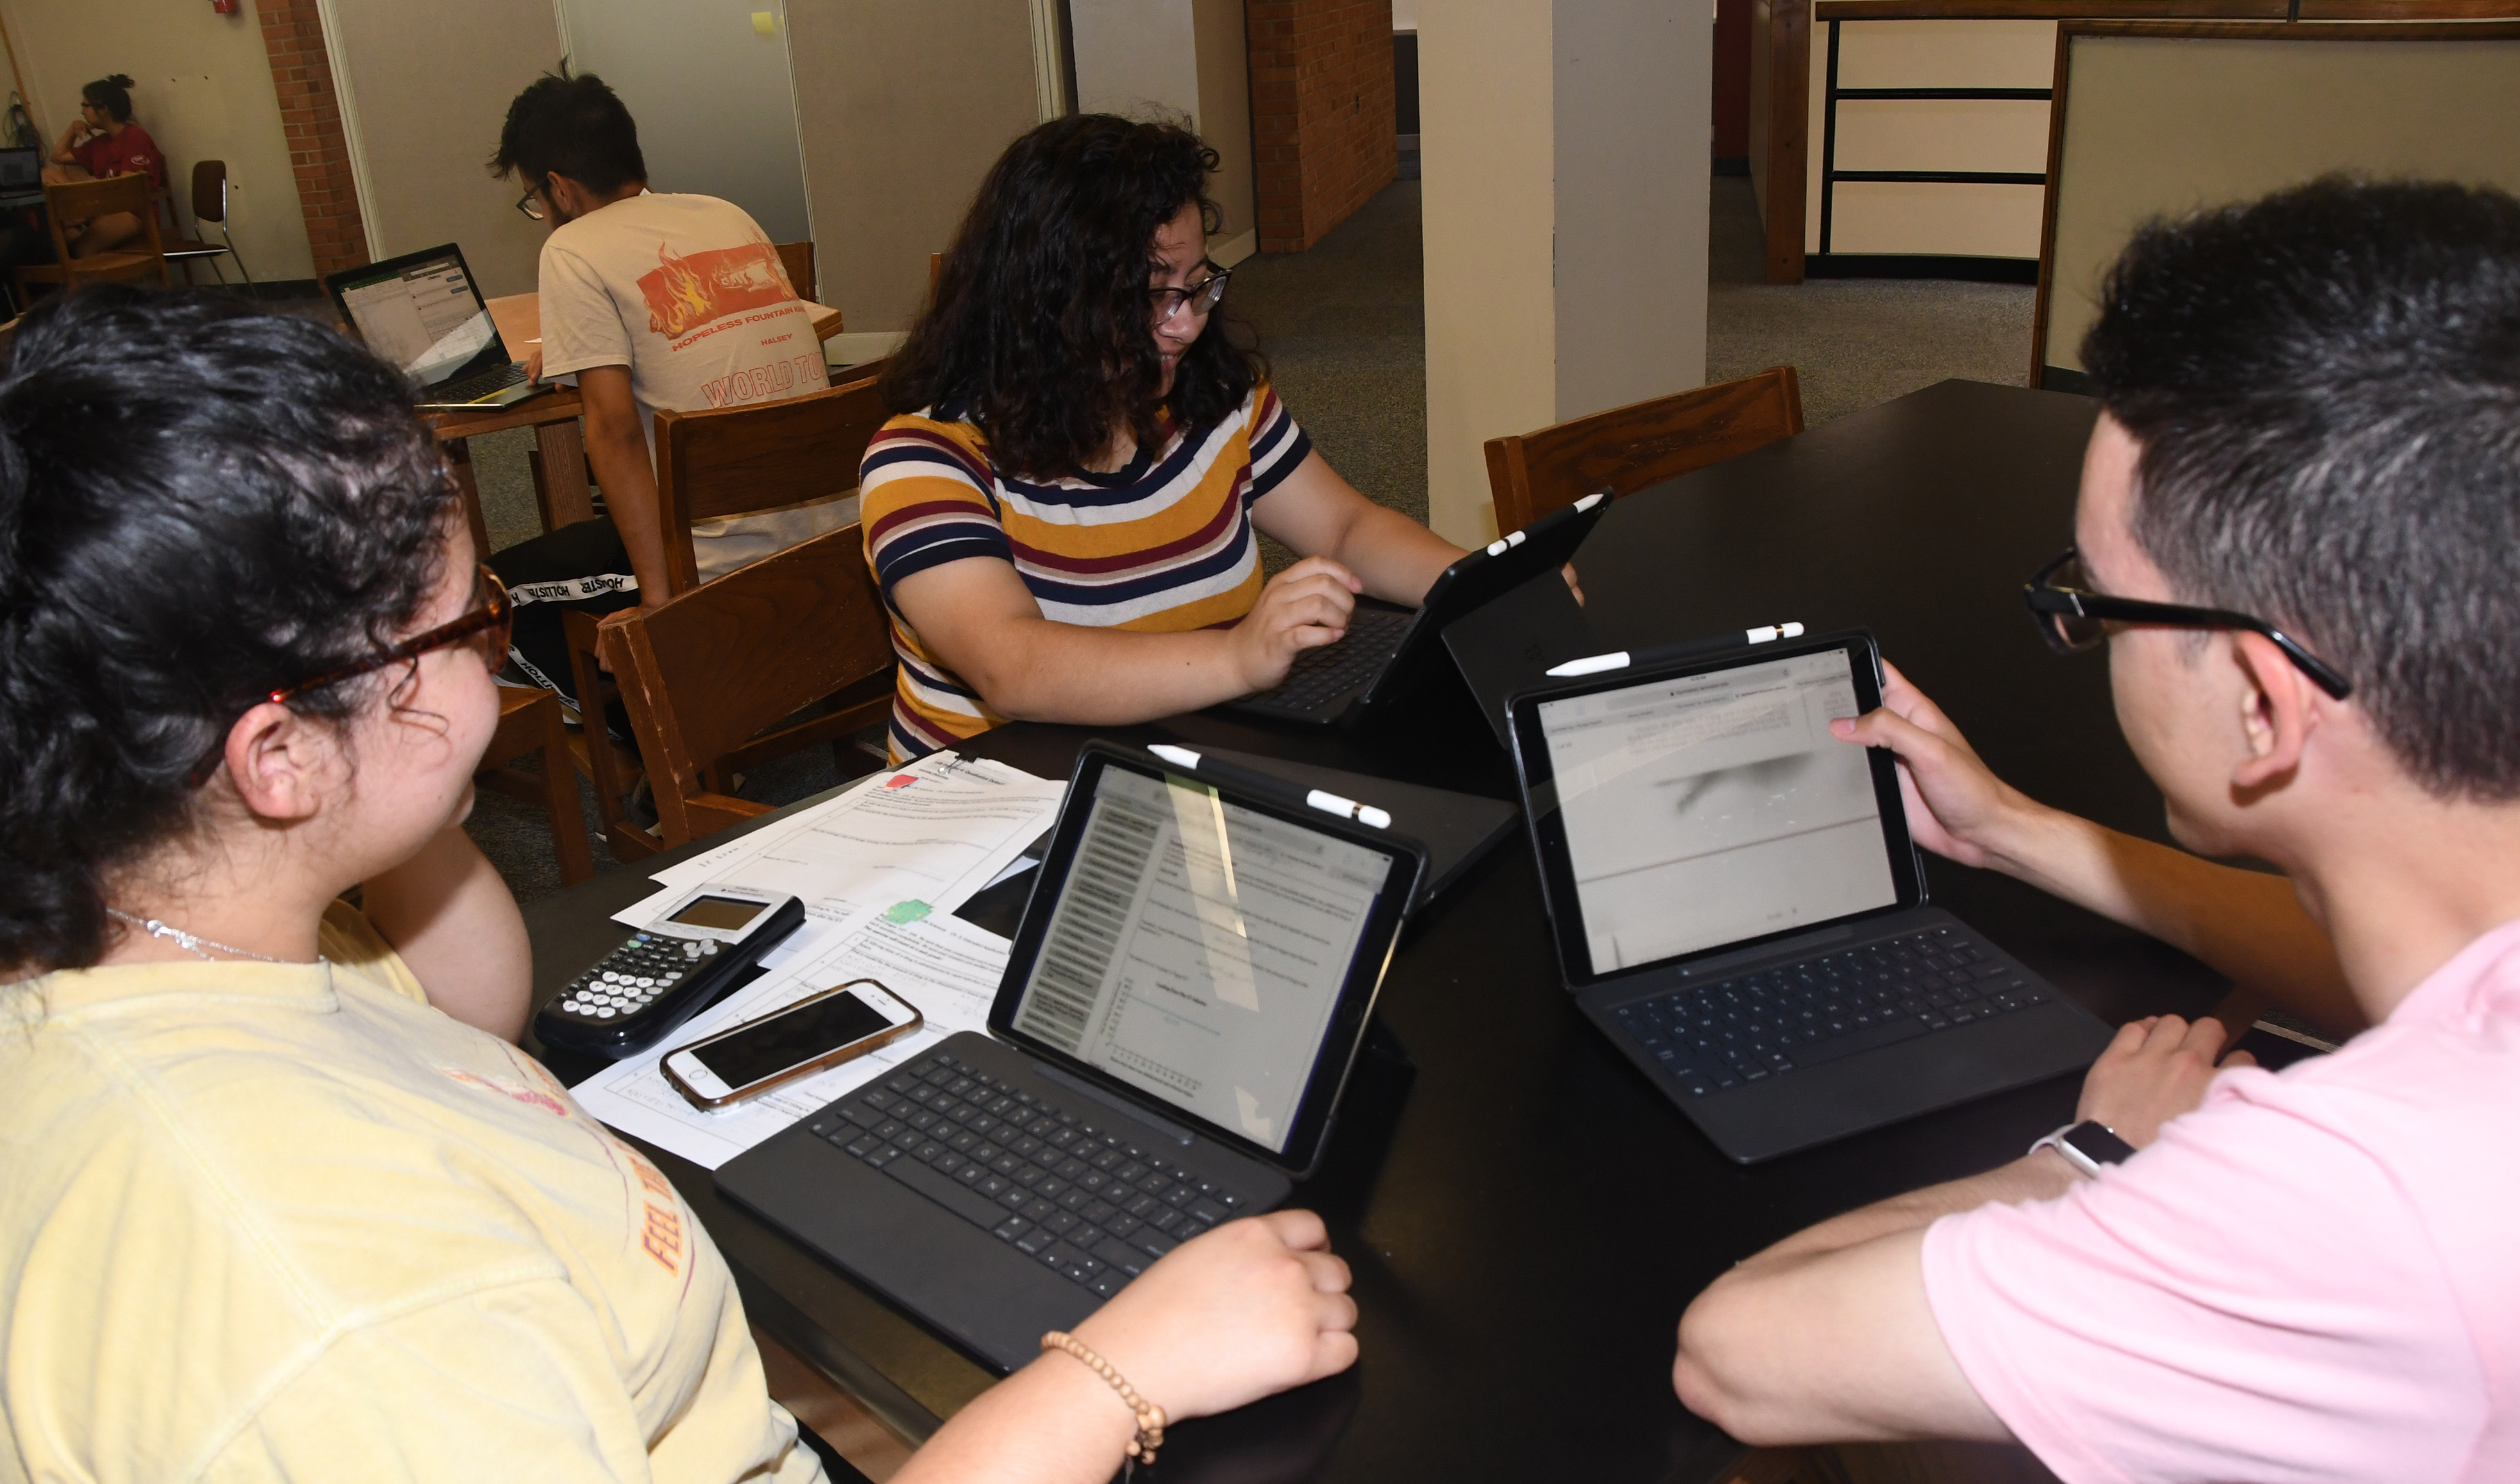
(1151, 1417)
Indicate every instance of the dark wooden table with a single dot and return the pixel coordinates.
(1525, 1215)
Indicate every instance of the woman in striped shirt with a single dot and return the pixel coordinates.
(1061, 517)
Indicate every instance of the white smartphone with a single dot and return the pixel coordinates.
(820, 1031)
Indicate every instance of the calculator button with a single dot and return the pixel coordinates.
(610, 978)
(604, 1013)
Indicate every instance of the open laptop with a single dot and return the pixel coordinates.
(1185, 999)
(21, 177)
(1385, 648)
(423, 312)
(1736, 901)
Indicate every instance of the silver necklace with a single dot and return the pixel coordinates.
(192, 943)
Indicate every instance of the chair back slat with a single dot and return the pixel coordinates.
(742, 460)
(209, 191)
(78, 200)
(798, 259)
(708, 670)
(1628, 448)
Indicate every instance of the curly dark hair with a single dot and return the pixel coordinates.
(1042, 329)
(2325, 386)
(198, 503)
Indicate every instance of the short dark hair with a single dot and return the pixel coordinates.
(2326, 388)
(1042, 332)
(111, 94)
(198, 503)
(573, 127)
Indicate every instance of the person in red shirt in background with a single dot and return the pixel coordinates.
(103, 144)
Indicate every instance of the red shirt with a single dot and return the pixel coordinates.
(129, 152)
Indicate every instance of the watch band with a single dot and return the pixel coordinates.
(2087, 1145)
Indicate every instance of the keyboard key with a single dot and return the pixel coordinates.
(970, 1205)
(1035, 1208)
(1122, 1256)
(1105, 1284)
(1010, 1228)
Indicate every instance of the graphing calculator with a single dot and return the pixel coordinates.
(656, 979)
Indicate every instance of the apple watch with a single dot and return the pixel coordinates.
(2087, 1145)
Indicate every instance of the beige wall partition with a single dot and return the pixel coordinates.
(1225, 122)
(1565, 222)
(424, 89)
(2158, 119)
(901, 110)
(1488, 161)
(201, 86)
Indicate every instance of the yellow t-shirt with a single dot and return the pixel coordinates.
(288, 1222)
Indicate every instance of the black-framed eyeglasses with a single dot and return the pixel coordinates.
(1199, 299)
(2073, 617)
(490, 623)
(529, 205)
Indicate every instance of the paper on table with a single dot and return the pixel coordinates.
(922, 838)
(944, 966)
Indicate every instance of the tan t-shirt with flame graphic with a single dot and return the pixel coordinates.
(687, 291)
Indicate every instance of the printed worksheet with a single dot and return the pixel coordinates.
(945, 967)
(908, 843)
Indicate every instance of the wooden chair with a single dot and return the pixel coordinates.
(529, 722)
(81, 201)
(703, 676)
(1627, 448)
(209, 209)
(798, 259)
(737, 461)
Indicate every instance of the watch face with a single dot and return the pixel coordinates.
(2094, 1143)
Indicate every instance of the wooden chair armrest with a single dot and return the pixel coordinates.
(712, 812)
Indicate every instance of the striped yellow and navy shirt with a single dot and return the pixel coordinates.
(1161, 546)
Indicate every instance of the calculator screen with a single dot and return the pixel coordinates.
(725, 913)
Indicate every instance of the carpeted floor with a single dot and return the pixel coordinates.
(1344, 327)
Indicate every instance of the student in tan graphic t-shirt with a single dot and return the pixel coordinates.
(655, 302)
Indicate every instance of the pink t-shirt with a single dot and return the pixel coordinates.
(2316, 1276)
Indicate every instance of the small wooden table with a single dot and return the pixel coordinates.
(562, 494)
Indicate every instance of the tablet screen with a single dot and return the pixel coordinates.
(1198, 949)
(1708, 809)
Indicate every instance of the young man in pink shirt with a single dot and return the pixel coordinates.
(2310, 441)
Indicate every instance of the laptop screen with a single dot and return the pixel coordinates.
(423, 315)
(1198, 950)
(22, 170)
(1706, 809)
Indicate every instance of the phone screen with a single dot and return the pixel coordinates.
(783, 1041)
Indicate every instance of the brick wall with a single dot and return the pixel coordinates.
(310, 115)
(1323, 136)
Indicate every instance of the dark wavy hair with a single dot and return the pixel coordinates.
(2326, 388)
(1042, 332)
(111, 94)
(575, 126)
(198, 503)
